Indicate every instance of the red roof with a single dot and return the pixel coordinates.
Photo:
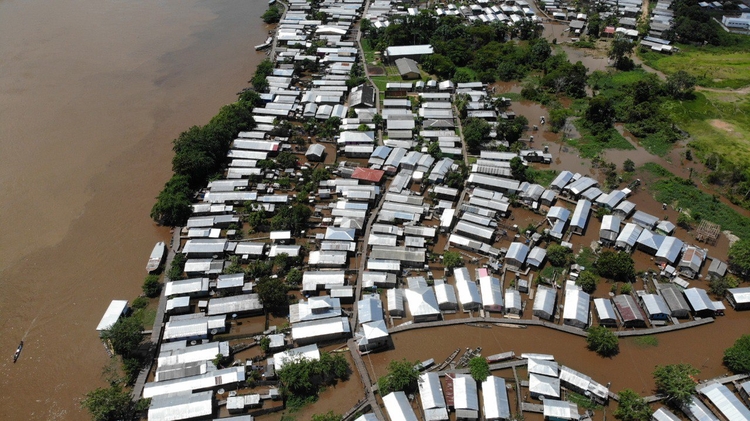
(368, 174)
(609, 30)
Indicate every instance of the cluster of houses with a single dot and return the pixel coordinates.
(511, 12)
(720, 397)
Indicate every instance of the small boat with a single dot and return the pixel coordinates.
(267, 44)
(157, 255)
(447, 360)
(271, 2)
(18, 352)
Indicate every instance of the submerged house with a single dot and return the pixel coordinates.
(544, 303)
(576, 309)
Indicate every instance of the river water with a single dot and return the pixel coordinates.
(91, 95)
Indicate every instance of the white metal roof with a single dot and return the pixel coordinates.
(654, 304)
(663, 414)
(558, 213)
(431, 391)
(189, 354)
(544, 300)
(307, 352)
(699, 411)
(315, 328)
(398, 407)
(465, 393)
(370, 308)
(698, 299)
(560, 410)
(670, 249)
(629, 235)
(445, 293)
(543, 367)
(495, 398)
(422, 301)
(574, 378)
(112, 314)
(492, 294)
(512, 299)
(181, 406)
(604, 309)
(517, 251)
(543, 385)
(576, 307)
(740, 295)
(209, 380)
(468, 293)
(234, 304)
(726, 402)
(581, 214)
(536, 256)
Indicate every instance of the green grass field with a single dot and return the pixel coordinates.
(590, 147)
(718, 123)
(715, 67)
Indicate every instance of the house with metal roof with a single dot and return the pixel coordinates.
(332, 328)
(675, 300)
(249, 250)
(313, 281)
(560, 410)
(645, 220)
(478, 232)
(664, 414)
(700, 302)
(543, 367)
(446, 296)
(408, 68)
(649, 242)
(398, 407)
(115, 310)
(516, 255)
(580, 216)
(501, 184)
(536, 257)
(576, 308)
(395, 301)
(558, 213)
(374, 279)
(698, 411)
(669, 250)
(465, 397)
(513, 303)
(431, 397)
(315, 152)
(492, 294)
(422, 304)
(314, 308)
(562, 180)
(373, 335)
(329, 259)
(548, 198)
(544, 303)
(605, 312)
(739, 298)
(630, 314)
(717, 269)
(655, 306)
(415, 52)
(244, 304)
(628, 237)
(576, 188)
(592, 193)
(307, 352)
(544, 386)
(495, 399)
(187, 406)
(178, 305)
(726, 402)
(209, 381)
(665, 227)
(609, 230)
(624, 209)
(468, 292)
(611, 199)
(205, 247)
(691, 261)
(370, 308)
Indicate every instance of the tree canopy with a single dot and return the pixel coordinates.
(112, 403)
(618, 266)
(739, 258)
(676, 382)
(632, 407)
(587, 280)
(737, 357)
(304, 377)
(476, 131)
(272, 292)
(602, 341)
(402, 375)
(452, 259)
(558, 255)
(125, 335)
(479, 369)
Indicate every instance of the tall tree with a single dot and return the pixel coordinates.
(632, 407)
(402, 375)
(602, 341)
(737, 357)
(620, 49)
(739, 258)
(125, 335)
(676, 382)
(113, 403)
(479, 369)
(618, 266)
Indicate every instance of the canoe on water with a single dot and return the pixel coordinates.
(157, 255)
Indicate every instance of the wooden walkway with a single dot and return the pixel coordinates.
(664, 329)
(520, 322)
(364, 375)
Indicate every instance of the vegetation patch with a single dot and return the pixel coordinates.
(590, 145)
(646, 341)
(583, 401)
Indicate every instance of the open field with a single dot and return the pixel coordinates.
(589, 146)
(715, 67)
(718, 123)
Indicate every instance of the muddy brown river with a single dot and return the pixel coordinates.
(91, 95)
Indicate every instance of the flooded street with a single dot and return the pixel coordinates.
(91, 95)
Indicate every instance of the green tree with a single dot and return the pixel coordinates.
(680, 85)
(139, 303)
(452, 259)
(739, 258)
(151, 286)
(294, 276)
(272, 292)
(737, 357)
(281, 262)
(296, 377)
(287, 160)
(125, 335)
(173, 205)
(479, 369)
(518, 169)
(719, 286)
(602, 341)
(626, 289)
(620, 49)
(676, 382)
(684, 220)
(113, 403)
(272, 15)
(558, 255)
(402, 375)
(632, 407)
(628, 165)
(475, 132)
(600, 111)
(264, 343)
(177, 267)
(587, 280)
(328, 416)
(618, 266)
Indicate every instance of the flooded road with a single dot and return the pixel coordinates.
(91, 95)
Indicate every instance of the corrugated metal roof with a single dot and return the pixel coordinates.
(571, 377)
(663, 414)
(740, 295)
(307, 352)
(465, 393)
(115, 309)
(445, 294)
(370, 308)
(543, 367)
(604, 309)
(726, 402)
(181, 406)
(645, 220)
(398, 407)
(536, 256)
(576, 309)
(628, 308)
(654, 305)
(322, 327)
(670, 249)
(234, 304)
(422, 302)
(544, 301)
(543, 385)
(558, 213)
(492, 294)
(209, 380)
(698, 299)
(495, 396)
(512, 299)
(517, 251)
(581, 214)
(431, 391)
(699, 411)
(560, 410)
(629, 235)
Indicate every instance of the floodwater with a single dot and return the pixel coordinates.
(91, 95)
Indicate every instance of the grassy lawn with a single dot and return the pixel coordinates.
(543, 177)
(718, 123)
(369, 51)
(682, 193)
(590, 147)
(716, 67)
